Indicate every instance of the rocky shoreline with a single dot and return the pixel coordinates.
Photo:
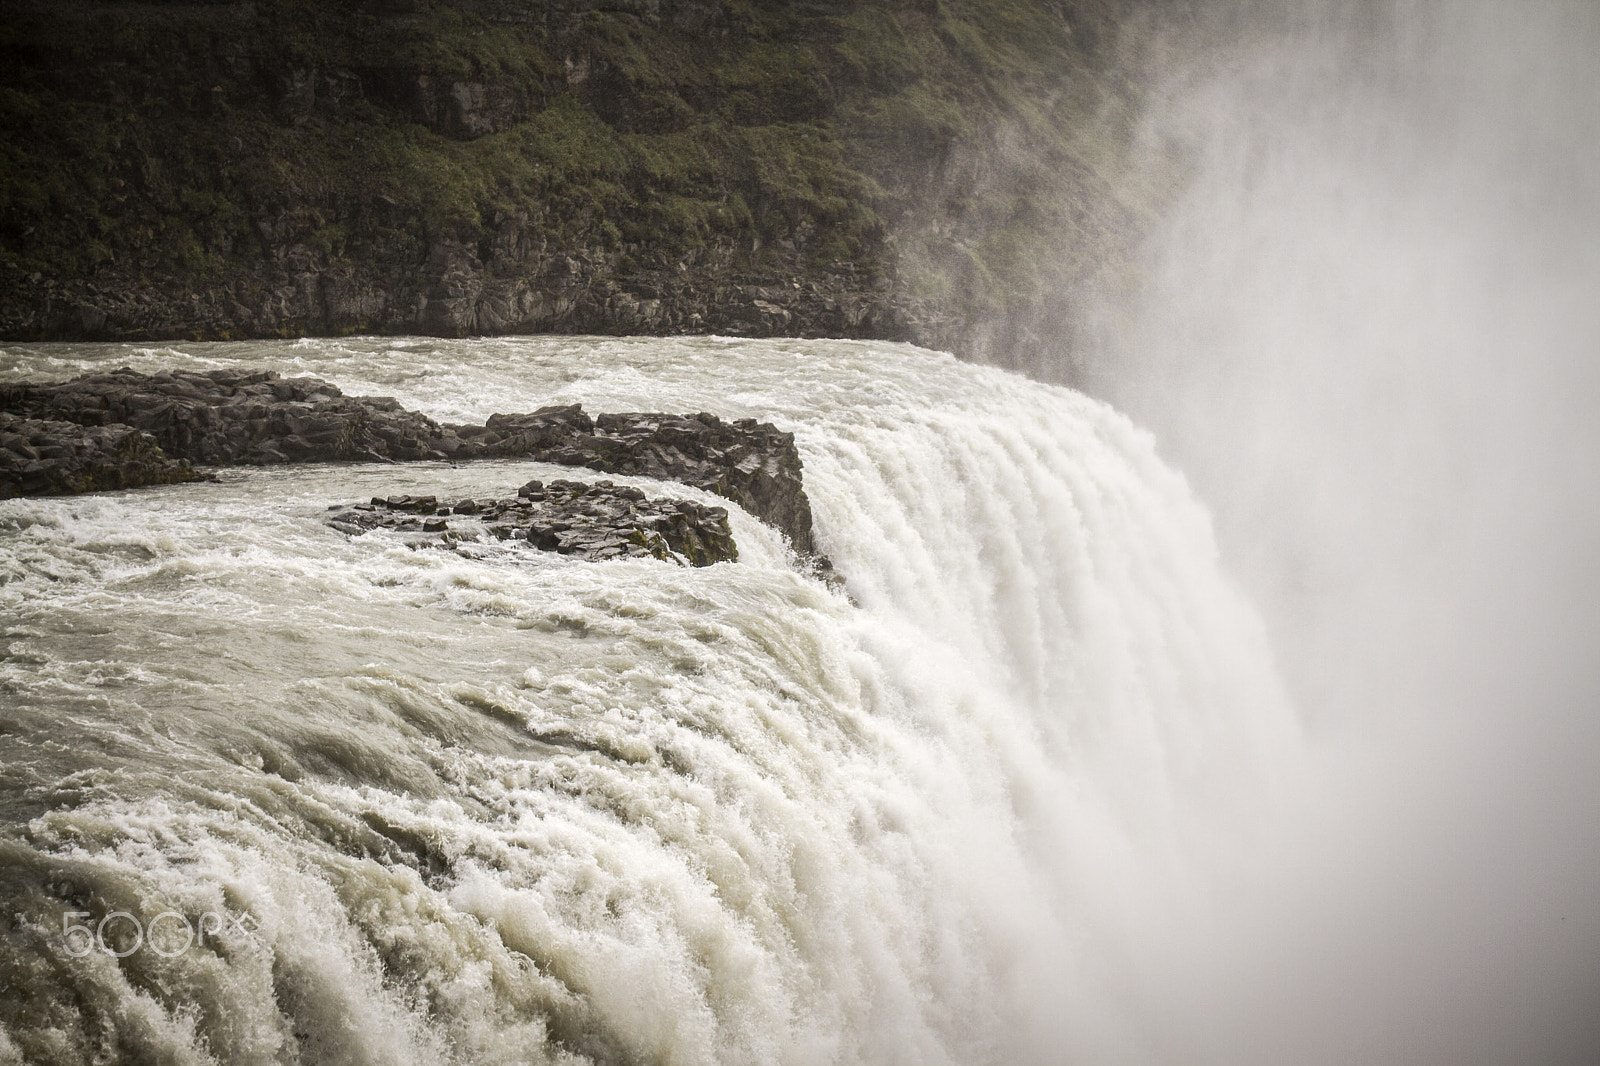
(125, 429)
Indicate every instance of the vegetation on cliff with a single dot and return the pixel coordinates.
(890, 168)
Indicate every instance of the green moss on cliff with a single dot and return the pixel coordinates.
(202, 143)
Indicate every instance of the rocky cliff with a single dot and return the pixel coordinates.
(933, 170)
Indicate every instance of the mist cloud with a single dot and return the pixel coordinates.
(1370, 334)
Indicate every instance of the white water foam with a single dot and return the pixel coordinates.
(479, 809)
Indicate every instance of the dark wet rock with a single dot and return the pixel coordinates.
(51, 458)
(595, 521)
(754, 464)
(231, 417)
(408, 504)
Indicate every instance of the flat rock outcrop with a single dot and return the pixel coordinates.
(232, 417)
(47, 458)
(596, 521)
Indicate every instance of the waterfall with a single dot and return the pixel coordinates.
(502, 806)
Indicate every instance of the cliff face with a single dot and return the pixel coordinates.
(929, 170)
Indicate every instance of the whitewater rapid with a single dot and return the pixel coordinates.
(511, 807)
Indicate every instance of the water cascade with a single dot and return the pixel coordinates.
(425, 806)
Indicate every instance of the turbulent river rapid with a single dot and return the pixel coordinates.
(277, 794)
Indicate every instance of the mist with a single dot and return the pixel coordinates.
(1368, 332)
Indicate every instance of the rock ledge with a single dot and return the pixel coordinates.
(49, 458)
(233, 417)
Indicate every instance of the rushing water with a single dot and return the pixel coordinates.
(503, 806)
